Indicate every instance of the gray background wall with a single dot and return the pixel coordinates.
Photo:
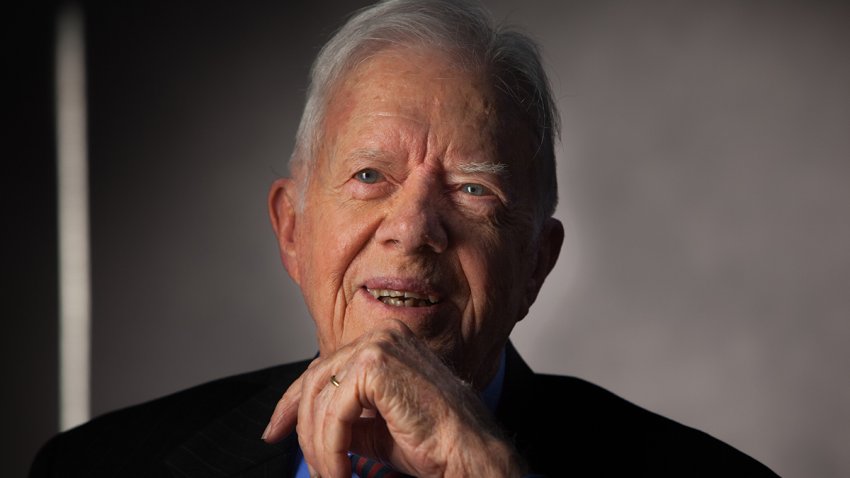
(704, 181)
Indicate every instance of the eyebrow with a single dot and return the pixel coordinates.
(367, 154)
(484, 167)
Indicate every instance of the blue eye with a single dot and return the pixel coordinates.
(368, 176)
(474, 189)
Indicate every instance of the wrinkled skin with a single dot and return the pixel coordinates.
(418, 187)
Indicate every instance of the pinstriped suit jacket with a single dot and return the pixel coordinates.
(563, 426)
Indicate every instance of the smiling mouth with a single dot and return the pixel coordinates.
(403, 298)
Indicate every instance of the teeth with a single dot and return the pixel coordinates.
(400, 298)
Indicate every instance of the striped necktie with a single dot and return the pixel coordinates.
(366, 468)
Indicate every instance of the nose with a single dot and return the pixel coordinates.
(414, 222)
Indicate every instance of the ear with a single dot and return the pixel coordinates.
(282, 213)
(549, 247)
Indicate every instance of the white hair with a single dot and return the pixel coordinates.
(464, 30)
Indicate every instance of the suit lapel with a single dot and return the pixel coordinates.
(518, 379)
(516, 401)
(231, 445)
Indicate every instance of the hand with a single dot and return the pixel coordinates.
(396, 402)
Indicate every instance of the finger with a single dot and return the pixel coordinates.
(312, 432)
(340, 408)
(371, 438)
(306, 426)
(285, 413)
(315, 362)
(331, 430)
(316, 403)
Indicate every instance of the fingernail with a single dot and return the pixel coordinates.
(266, 431)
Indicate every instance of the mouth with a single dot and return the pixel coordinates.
(403, 298)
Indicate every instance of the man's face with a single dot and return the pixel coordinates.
(418, 208)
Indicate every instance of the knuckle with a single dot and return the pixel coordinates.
(302, 433)
(373, 354)
(313, 380)
(398, 329)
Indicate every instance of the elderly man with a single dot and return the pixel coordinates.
(417, 222)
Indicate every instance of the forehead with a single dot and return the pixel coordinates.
(398, 93)
(420, 78)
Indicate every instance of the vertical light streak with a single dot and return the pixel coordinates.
(74, 283)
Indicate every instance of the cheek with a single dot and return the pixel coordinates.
(333, 232)
(486, 260)
(330, 242)
(495, 268)
(494, 302)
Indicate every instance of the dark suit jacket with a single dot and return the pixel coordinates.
(563, 426)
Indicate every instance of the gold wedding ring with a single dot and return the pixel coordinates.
(334, 381)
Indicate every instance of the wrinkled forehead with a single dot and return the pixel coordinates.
(453, 98)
